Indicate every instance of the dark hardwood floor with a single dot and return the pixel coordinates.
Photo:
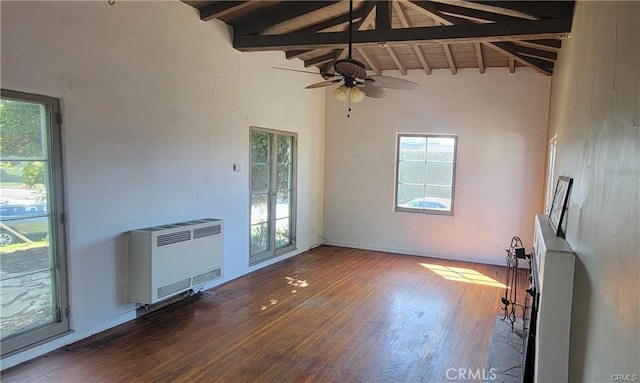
(329, 315)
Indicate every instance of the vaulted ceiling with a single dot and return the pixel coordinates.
(401, 34)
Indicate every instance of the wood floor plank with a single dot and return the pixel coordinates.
(329, 315)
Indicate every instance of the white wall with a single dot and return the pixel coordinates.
(501, 120)
(157, 107)
(595, 112)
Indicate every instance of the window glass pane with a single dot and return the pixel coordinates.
(260, 147)
(440, 149)
(282, 205)
(259, 178)
(27, 297)
(282, 232)
(23, 130)
(411, 172)
(438, 192)
(407, 193)
(259, 208)
(284, 177)
(439, 173)
(259, 238)
(412, 148)
(284, 149)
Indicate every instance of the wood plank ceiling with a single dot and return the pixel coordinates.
(401, 34)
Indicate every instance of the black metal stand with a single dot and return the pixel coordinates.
(515, 252)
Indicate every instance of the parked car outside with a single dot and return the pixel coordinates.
(430, 203)
(27, 217)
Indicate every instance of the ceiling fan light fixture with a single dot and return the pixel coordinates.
(357, 95)
(344, 93)
(341, 92)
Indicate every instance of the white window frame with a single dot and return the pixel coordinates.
(274, 251)
(427, 136)
(61, 326)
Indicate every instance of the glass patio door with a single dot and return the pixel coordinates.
(33, 292)
(272, 230)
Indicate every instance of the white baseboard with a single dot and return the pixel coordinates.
(72, 337)
(397, 250)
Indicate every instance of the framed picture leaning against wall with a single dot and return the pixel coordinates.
(559, 204)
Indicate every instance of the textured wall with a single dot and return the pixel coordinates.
(501, 120)
(157, 107)
(595, 112)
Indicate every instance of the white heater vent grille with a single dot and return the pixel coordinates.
(206, 277)
(168, 239)
(173, 288)
(167, 260)
(206, 231)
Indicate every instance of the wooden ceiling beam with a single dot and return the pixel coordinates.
(537, 9)
(401, 15)
(367, 18)
(221, 8)
(369, 62)
(497, 9)
(405, 23)
(543, 45)
(357, 15)
(537, 53)
(520, 30)
(329, 57)
(452, 64)
(427, 8)
(508, 49)
(479, 57)
(296, 53)
(261, 19)
(548, 43)
(473, 13)
(383, 14)
(512, 65)
(395, 59)
(422, 59)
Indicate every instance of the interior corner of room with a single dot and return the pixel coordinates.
(158, 117)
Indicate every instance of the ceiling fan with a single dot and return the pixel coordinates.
(352, 74)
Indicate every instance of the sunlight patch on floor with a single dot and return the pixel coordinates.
(296, 283)
(460, 274)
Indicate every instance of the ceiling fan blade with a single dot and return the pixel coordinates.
(391, 82)
(322, 84)
(307, 71)
(373, 91)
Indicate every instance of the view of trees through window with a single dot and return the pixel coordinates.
(425, 173)
(29, 268)
(272, 182)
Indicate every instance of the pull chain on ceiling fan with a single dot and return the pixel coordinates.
(356, 85)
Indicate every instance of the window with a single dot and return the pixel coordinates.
(425, 173)
(273, 191)
(33, 282)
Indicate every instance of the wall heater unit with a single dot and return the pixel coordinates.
(167, 260)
